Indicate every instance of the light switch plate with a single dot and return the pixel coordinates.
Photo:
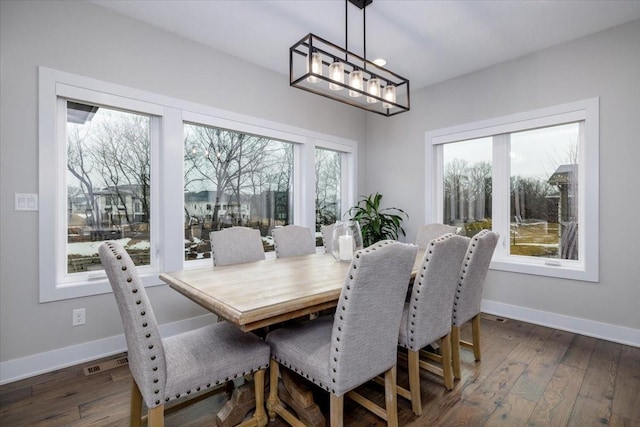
(26, 202)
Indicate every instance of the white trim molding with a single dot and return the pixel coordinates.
(590, 328)
(36, 364)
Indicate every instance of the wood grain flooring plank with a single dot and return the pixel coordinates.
(534, 380)
(513, 410)
(579, 352)
(560, 339)
(495, 350)
(595, 398)
(479, 405)
(537, 337)
(626, 398)
(599, 380)
(556, 404)
(589, 412)
(617, 421)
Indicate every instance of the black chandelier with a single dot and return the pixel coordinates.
(321, 67)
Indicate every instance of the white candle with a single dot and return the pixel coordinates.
(346, 247)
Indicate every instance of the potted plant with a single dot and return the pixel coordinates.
(377, 224)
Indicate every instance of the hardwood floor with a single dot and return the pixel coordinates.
(529, 376)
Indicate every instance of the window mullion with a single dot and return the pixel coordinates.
(501, 192)
(170, 204)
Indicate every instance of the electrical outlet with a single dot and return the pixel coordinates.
(78, 317)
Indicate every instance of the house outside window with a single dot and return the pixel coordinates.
(533, 178)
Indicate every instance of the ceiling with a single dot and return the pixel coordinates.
(424, 41)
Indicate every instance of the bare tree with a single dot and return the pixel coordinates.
(327, 186)
(123, 159)
(80, 166)
(455, 180)
(225, 160)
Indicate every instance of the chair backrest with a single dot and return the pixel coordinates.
(428, 232)
(472, 274)
(236, 245)
(327, 237)
(429, 313)
(367, 320)
(293, 240)
(146, 352)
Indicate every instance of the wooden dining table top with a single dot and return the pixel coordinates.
(257, 294)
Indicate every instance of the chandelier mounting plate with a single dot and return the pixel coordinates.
(361, 4)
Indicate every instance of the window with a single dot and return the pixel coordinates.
(157, 174)
(532, 177)
(234, 179)
(108, 164)
(328, 166)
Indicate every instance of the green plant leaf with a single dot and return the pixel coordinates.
(377, 224)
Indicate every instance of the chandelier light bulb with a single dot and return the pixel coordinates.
(389, 94)
(356, 81)
(336, 73)
(316, 67)
(373, 88)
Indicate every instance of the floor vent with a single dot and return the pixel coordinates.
(105, 366)
(494, 318)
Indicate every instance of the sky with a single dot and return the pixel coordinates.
(534, 153)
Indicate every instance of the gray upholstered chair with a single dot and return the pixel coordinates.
(236, 245)
(293, 240)
(428, 232)
(466, 304)
(427, 315)
(359, 343)
(327, 237)
(184, 365)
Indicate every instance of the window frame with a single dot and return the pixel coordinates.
(587, 113)
(168, 115)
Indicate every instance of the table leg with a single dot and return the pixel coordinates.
(299, 398)
(291, 392)
(243, 400)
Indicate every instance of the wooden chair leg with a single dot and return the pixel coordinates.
(475, 335)
(259, 415)
(156, 417)
(391, 397)
(447, 371)
(455, 351)
(273, 401)
(336, 410)
(135, 413)
(414, 381)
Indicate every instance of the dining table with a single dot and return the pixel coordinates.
(265, 293)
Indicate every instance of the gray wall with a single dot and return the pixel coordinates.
(82, 38)
(605, 65)
(85, 39)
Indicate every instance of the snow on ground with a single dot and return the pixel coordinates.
(91, 248)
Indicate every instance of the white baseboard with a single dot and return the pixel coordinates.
(29, 366)
(605, 331)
